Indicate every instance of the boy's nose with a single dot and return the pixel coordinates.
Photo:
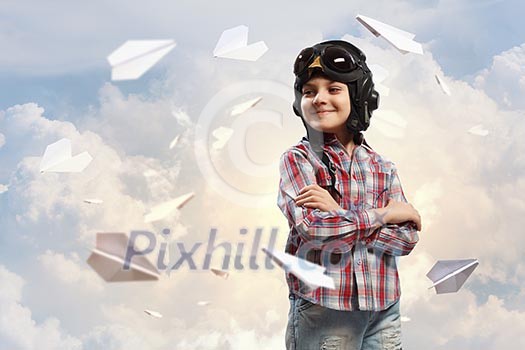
(319, 98)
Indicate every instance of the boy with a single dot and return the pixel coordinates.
(345, 208)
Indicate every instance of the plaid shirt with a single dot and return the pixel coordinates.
(357, 250)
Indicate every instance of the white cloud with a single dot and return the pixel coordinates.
(133, 124)
(464, 187)
(456, 321)
(426, 198)
(2, 140)
(17, 328)
(449, 26)
(504, 81)
(68, 271)
(249, 339)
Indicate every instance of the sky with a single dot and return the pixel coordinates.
(55, 82)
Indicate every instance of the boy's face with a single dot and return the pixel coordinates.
(325, 104)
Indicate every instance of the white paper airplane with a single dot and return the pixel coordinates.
(389, 123)
(150, 173)
(478, 130)
(203, 303)
(108, 259)
(449, 275)
(220, 273)
(160, 211)
(57, 158)
(3, 188)
(442, 85)
(308, 272)
(133, 58)
(401, 40)
(182, 117)
(222, 136)
(153, 313)
(174, 142)
(233, 43)
(244, 106)
(93, 201)
(405, 319)
(379, 74)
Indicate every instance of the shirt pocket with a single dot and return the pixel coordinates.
(330, 184)
(377, 190)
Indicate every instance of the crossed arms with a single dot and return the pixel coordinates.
(318, 217)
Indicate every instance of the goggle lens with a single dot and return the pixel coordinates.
(333, 57)
(338, 59)
(303, 60)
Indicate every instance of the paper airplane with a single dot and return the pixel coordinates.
(153, 313)
(401, 40)
(3, 188)
(442, 85)
(389, 123)
(133, 58)
(449, 275)
(93, 201)
(379, 74)
(478, 130)
(405, 319)
(150, 173)
(174, 142)
(233, 43)
(222, 135)
(220, 273)
(160, 211)
(308, 272)
(57, 158)
(108, 259)
(244, 106)
(181, 116)
(203, 303)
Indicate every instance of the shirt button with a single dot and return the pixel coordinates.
(358, 261)
(341, 153)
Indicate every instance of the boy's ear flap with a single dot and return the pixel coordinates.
(296, 111)
(296, 105)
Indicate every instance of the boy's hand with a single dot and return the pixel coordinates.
(314, 196)
(398, 212)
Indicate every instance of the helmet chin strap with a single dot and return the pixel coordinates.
(367, 115)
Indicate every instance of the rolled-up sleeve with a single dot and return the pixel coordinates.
(313, 224)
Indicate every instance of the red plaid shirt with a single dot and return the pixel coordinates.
(353, 244)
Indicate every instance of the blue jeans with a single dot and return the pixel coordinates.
(314, 327)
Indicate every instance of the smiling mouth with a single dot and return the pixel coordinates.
(323, 112)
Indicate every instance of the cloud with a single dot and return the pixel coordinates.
(172, 332)
(133, 124)
(464, 186)
(37, 44)
(455, 322)
(504, 81)
(18, 330)
(70, 272)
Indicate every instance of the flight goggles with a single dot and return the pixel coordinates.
(335, 60)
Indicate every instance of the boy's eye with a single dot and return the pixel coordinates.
(307, 92)
(335, 89)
